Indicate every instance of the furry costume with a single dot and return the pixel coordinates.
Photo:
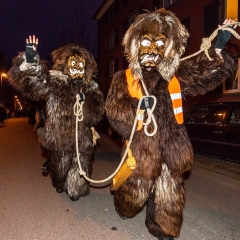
(59, 88)
(163, 158)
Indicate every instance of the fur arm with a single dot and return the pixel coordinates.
(198, 75)
(94, 104)
(120, 106)
(29, 78)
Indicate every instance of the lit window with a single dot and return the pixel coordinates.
(232, 9)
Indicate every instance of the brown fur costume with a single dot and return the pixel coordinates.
(163, 158)
(59, 91)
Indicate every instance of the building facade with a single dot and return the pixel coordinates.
(201, 18)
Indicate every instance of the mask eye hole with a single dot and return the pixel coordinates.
(159, 43)
(73, 63)
(145, 43)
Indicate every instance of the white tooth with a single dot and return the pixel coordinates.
(156, 58)
(145, 59)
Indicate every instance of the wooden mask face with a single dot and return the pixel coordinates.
(151, 50)
(76, 67)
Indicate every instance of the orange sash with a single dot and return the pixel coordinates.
(174, 89)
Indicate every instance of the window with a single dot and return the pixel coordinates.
(111, 13)
(217, 116)
(213, 114)
(235, 114)
(132, 18)
(186, 23)
(111, 68)
(167, 3)
(211, 17)
(232, 9)
(198, 114)
(111, 40)
(129, 20)
(232, 84)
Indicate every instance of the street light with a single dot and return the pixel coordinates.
(2, 75)
(15, 102)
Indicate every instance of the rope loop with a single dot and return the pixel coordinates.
(150, 116)
(78, 108)
(206, 42)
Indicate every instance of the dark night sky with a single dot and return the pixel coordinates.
(54, 22)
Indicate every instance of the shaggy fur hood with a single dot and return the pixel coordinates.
(156, 23)
(61, 55)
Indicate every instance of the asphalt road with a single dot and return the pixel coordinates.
(31, 209)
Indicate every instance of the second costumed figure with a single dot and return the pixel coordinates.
(71, 75)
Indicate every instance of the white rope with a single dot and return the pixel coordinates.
(79, 117)
(78, 112)
(206, 42)
(151, 117)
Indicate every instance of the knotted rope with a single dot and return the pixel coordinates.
(206, 42)
(78, 112)
(150, 115)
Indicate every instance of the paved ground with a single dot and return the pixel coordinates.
(227, 168)
(31, 209)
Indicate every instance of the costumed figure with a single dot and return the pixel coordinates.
(69, 82)
(153, 46)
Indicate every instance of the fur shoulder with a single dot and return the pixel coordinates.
(58, 75)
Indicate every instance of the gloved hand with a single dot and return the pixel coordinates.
(82, 97)
(31, 49)
(147, 102)
(223, 36)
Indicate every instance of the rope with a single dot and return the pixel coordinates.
(149, 113)
(78, 106)
(79, 117)
(206, 42)
(78, 112)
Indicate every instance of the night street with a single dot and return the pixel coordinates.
(31, 209)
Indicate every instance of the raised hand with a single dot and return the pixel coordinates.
(223, 36)
(31, 48)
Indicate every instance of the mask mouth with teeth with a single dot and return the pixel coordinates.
(75, 67)
(151, 50)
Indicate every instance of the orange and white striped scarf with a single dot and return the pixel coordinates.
(174, 89)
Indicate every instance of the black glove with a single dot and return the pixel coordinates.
(82, 97)
(147, 102)
(30, 52)
(222, 38)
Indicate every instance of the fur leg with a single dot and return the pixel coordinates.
(130, 198)
(165, 206)
(59, 167)
(77, 186)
